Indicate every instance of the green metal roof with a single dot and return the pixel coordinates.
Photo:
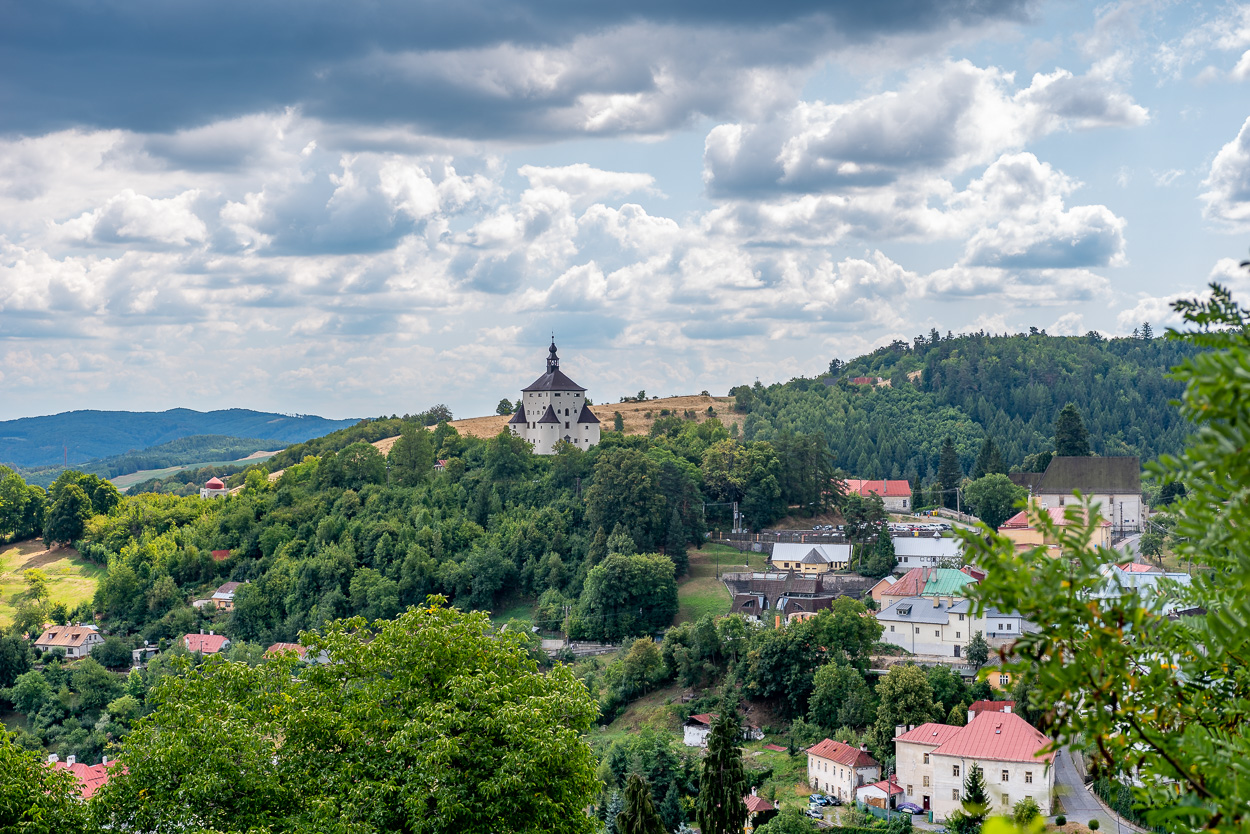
(947, 582)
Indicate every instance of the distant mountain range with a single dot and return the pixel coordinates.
(31, 442)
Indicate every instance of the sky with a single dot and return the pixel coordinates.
(368, 208)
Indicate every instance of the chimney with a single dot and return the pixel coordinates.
(752, 791)
(201, 631)
(104, 760)
(210, 632)
(53, 758)
(863, 748)
(70, 760)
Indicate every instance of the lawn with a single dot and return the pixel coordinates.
(71, 579)
(514, 609)
(700, 592)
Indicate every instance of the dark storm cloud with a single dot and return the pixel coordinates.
(154, 66)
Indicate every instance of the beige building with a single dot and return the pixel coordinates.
(76, 641)
(810, 558)
(934, 759)
(1019, 528)
(838, 769)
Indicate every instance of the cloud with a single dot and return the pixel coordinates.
(1228, 183)
(469, 68)
(138, 220)
(942, 120)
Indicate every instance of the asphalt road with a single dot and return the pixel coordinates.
(1129, 545)
(1078, 803)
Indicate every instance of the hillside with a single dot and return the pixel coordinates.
(32, 442)
(967, 387)
(71, 578)
(156, 461)
(637, 416)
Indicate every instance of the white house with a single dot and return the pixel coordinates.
(1159, 592)
(553, 408)
(934, 759)
(810, 558)
(697, 728)
(942, 626)
(1113, 484)
(883, 794)
(895, 495)
(215, 488)
(839, 769)
(927, 552)
(77, 641)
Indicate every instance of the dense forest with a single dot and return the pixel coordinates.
(1007, 388)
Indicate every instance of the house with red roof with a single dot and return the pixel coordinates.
(215, 488)
(759, 810)
(75, 641)
(883, 794)
(206, 643)
(90, 777)
(696, 729)
(839, 769)
(979, 707)
(223, 597)
(934, 759)
(1021, 530)
(896, 495)
(278, 648)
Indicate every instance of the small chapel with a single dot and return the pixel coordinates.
(553, 408)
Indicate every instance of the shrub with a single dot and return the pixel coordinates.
(1061, 820)
(1093, 825)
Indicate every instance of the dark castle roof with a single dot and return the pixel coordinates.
(587, 416)
(1091, 475)
(554, 379)
(549, 416)
(519, 417)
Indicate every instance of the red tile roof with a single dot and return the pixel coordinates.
(978, 707)
(286, 647)
(843, 754)
(67, 636)
(703, 717)
(1138, 567)
(776, 748)
(90, 777)
(1020, 521)
(755, 804)
(215, 483)
(932, 734)
(886, 786)
(221, 555)
(998, 736)
(204, 643)
(886, 489)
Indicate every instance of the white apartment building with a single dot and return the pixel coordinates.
(838, 769)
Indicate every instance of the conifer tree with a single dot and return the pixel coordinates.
(958, 716)
(721, 808)
(1071, 436)
(618, 422)
(989, 460)
(639, 815)
(949, 472)
(675, 542)
(671, 810)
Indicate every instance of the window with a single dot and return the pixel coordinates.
(956, 635)
(566, 412)
(1000, 626)
(955, 794)
(1009, 626)
(917, 629)
(926, 781)
(955, 770)
(937, 633)
(1004, 680)
(1028, 777)
(1006, 799)
(961, 618)
(926, 758)
(891, 628)
(1006, 775)
(909, 791)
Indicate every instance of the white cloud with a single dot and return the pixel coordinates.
(1228, 184)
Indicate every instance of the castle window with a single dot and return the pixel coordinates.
(566, 412)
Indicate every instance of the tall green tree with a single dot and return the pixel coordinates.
(978, 651)
(949, 472)
(67, 519)
(720, 807)
(881, 559)
(993, 499)
(1071, 436)
(989, 460)
(626, 492)
(626, 596)
(639, 815)
(905, 699)
(412, 457)
(1179, 716)
(974, 804)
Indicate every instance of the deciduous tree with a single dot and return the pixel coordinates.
(993, 499)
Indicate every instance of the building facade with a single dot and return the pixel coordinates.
(895, 495)
(810, 558)
(1112, 484)
(838, 769)
(552, 409)
(917, 551)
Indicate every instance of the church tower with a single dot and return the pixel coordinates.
(553, 408)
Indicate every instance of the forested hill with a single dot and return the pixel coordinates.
(967, 387)
(40, 441)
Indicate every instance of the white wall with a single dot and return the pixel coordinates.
(545, 436)
(828, 776)
(1124, 511)
(947, 785)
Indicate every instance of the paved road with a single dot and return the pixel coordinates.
(1078, 803)
(1129, 546)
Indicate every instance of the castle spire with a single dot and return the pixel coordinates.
(553, 361)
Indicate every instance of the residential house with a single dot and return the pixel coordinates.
(1140, 567)
(934, 759)
(697, 728)
(926, 582)
(895, 495)
(278, 648)
(839, 769)
(810, 558)
(883, 794)
(206, 643)
(1019, 528)
(941, 626)
(882, 588)
(759, 810)
(215, 488)
(926, 551)
(773, 596)
(1112, 483)
(77, 641)
(979, 707)
(223, 597)
(90, 777)
(995, 675)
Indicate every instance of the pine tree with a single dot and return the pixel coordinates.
(1071, 436)
(1147, 332)
(671, 810)
(949, 472)
(615, 806)
(639, 815)
(958, 716)
(975, 802)
(989, 460)
(618, 422)
(720, 808)
(621, 542)
(882, 560)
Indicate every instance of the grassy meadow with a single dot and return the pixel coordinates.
(71, 579)
(699, 592)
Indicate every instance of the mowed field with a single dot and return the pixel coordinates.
(699, 592)
(124, 482)
(71, 579)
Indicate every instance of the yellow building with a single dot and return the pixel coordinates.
(1019, 528)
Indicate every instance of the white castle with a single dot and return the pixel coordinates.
(553, 408)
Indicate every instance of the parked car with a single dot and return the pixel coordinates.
(833, 800)
(814, 814)
(818, 799)
(910, 807)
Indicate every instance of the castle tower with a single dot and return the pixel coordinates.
(553, 408)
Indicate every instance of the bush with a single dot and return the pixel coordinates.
(1061, 820)
(1093, 825)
